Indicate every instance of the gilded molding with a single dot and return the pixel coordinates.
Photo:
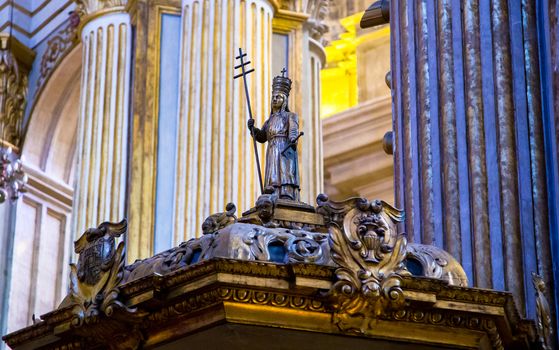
(248, 298)
(15, 62)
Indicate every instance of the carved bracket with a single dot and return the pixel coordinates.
(370, 257)
(94, 289)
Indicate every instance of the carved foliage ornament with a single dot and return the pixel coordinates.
(89, 7)
(318, 11)
(13, 94)
(94, 288)
(370, 258)
(58, 47)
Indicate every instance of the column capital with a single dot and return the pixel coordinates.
(90, 9)
(291, 14)
(15, 64)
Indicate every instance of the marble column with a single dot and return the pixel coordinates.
(102, 150)
(470, 159)
(215, 158)
(544, 44)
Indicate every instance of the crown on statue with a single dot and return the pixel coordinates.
(282, 83)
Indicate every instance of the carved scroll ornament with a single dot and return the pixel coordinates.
(94, 289)
(89, 7)
(13, 94)
(370, 255)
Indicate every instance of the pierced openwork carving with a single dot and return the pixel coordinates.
(370, 255)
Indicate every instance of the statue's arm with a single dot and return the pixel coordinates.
(293, 127)
(260, 134)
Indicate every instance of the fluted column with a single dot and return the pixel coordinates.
(101, 172)
(470, 158)
(215, 157)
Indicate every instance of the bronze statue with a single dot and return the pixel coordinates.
(281, 131)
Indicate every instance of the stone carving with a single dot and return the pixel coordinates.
(216, 222)
(295, 245)
(57, 48)
(94, 287)
(13, 94)
(436, 263)
(89, 7)
(318, 10)
(238, 241)
(12, 177)
(94, 280)
(543, 312)
(265, 205)
(370, 258)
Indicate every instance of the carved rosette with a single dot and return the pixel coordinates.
(13, 94)
(370, 257)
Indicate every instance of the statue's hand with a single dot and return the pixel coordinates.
(293, 142)
(250, 123)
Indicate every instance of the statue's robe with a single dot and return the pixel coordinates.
(282, 168)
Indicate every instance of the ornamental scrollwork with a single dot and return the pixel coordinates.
(95, 288)
(437, 263)
(318, 11)
(57, 48)
(370, 257)
(216, 222)
(89, 7)
(13, 94)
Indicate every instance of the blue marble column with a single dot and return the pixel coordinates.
(548, 49)
(474, 168)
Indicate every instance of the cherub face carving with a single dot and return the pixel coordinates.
(377, 238)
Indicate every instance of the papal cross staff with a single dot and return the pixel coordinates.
(244, 74)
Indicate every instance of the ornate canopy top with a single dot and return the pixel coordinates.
(337, 269)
